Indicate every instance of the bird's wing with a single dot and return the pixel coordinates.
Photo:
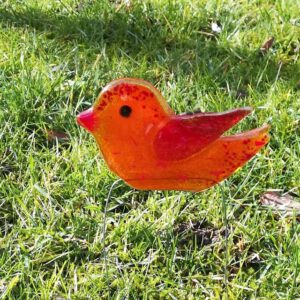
(185, 135)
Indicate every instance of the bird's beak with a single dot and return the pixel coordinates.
(87, 120)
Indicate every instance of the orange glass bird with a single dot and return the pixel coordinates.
(151, 148)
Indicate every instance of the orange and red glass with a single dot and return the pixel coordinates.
(151, 148)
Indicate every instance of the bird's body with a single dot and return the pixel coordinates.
(150, 147)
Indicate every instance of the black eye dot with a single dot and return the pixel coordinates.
(125, 111)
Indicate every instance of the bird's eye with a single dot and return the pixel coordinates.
(125, 111)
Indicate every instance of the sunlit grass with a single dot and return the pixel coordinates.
(55, 56)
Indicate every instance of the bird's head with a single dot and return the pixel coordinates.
(125, 105)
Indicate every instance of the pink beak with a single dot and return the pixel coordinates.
(86, 119)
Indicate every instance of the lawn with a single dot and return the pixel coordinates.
(55, 57)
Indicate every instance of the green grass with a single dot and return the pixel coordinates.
(55, 56)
